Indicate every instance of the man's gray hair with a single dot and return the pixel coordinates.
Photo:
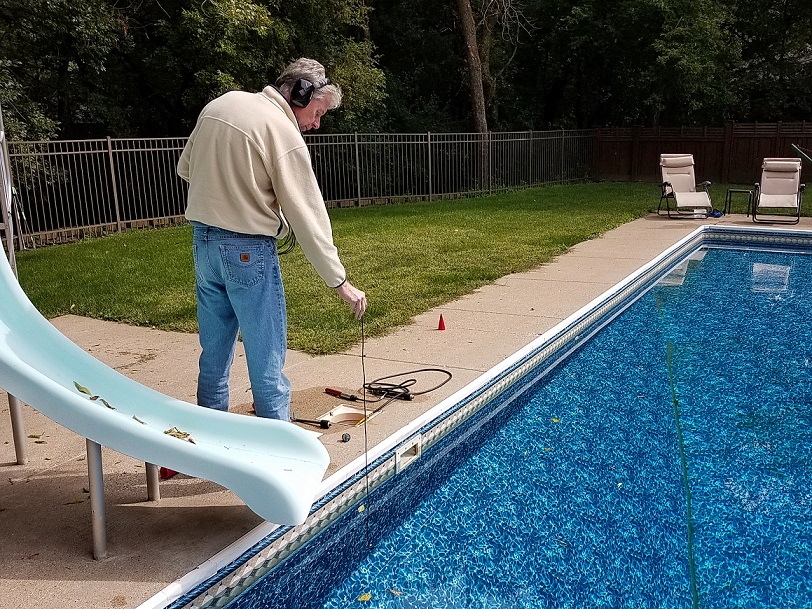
(310, 70)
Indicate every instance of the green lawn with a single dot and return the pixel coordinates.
(408, 258)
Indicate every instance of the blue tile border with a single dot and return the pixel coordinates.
(521, 370)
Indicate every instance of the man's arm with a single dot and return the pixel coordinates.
(185, 156)
(300, 199)
(183, 162)
(302, 203)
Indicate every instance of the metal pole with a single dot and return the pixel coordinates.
(96, 478)
(357, 170)
(153, 482)
(428, 143)
(114, 183)
(490, 163)
(18, 429)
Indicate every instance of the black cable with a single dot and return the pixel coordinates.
(401, 390)
(286, 244)
(388, 393)
(366, 445)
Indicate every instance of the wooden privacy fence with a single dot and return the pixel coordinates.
(731, 154)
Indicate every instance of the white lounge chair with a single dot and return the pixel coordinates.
(780, 192)
(679, 185)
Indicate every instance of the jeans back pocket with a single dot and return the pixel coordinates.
(243, 264)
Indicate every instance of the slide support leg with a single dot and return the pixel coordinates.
(153, 482)
(96, 478)
(18, 429)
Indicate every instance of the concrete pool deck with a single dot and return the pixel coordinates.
(45, 532)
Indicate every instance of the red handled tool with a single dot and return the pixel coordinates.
(341, 394)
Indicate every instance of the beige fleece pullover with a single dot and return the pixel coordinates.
(249, 171)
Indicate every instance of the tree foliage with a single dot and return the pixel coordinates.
(79, 68)
(774, 76)
(53, 53)
(100, 67)
(698, 53)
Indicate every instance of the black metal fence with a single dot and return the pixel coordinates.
(67, 190)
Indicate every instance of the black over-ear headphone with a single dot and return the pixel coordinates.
(303, 90)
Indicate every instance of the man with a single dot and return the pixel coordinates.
(250, 182)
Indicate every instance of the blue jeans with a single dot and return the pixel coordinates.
(239, 289)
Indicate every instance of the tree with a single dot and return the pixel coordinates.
(202, 48)
(364, 87)
(23, 118)
(215, 46)
(94, 67)
(698, 55)
(77, 68)
(417, 49)
(774, 78)
(469, 36)
(54, 54)
(478, 26)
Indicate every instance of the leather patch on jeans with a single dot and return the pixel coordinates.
(245, 257)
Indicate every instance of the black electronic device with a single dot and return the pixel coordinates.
(301, 94)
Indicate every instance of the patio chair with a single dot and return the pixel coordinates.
(679, 185)
(780, 192)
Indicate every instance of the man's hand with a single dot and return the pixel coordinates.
(353, 297)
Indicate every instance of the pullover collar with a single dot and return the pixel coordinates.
(273, 95)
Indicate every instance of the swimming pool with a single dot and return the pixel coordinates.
(570, 489)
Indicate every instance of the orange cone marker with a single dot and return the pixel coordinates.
(441, 326)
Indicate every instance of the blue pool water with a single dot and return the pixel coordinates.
(667, 463)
